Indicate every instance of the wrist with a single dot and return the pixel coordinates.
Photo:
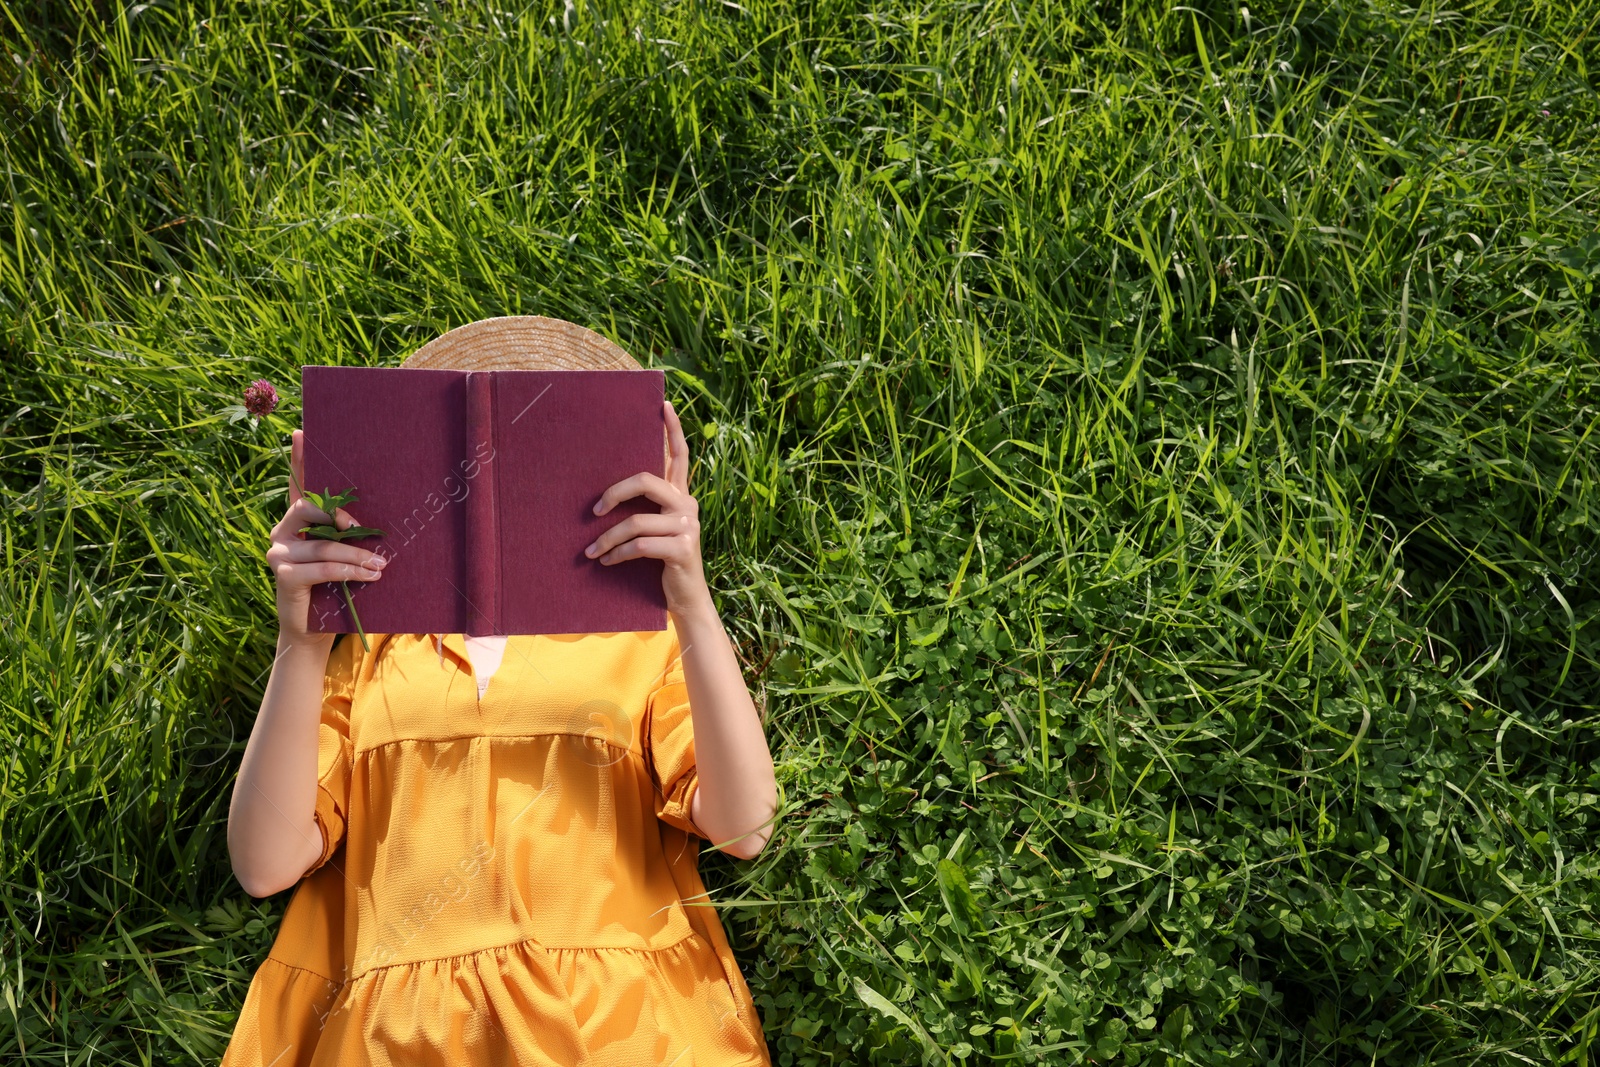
(307, 644)
(695, 612)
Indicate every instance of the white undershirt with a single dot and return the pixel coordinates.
(485, 654)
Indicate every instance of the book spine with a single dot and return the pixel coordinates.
(482, 521)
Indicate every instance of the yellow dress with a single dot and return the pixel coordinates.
(505, 881)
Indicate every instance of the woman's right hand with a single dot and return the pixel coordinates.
(299, 562)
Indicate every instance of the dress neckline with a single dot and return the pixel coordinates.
(509, 655)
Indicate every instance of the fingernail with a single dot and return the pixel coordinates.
(368, 572)
(379, 561)
(589, 551)
(597, 507)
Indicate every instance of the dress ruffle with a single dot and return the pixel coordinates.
(514, 1004)
(527, 1004)
(282, 1016)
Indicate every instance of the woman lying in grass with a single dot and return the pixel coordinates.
(517, 881)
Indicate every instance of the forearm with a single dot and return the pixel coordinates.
(738, 792)
(272, 834)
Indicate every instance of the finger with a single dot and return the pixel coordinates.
(304, 513)
(637, 526)
(647, 547)
(301, 513)
(313, 549)
(678, 449)
(326, 571)
(297, 465)
(644, 483)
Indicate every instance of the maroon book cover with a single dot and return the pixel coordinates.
(484, 483)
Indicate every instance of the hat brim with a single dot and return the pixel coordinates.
(520, 342)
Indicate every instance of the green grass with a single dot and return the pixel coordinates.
(1148, 456)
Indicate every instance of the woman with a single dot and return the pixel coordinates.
(498, 837)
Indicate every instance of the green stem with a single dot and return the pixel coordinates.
(352, 605)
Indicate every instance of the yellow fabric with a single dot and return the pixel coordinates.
(511, 881)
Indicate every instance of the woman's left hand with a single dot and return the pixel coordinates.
(673, 536)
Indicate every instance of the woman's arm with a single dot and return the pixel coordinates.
(272, 835)
(738, 792)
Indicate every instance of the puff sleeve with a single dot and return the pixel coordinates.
(334, 752)
(669, 746)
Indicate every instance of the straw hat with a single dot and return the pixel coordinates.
(520, 342)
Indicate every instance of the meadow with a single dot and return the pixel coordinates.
(1147, 456)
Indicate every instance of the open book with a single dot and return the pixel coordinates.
(484, 483)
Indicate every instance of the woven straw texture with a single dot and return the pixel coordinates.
(521, 342)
